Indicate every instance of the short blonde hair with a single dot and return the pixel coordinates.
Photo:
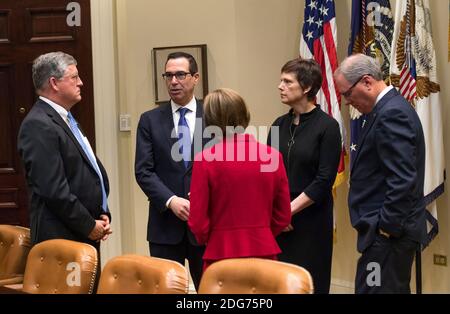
(225, 107)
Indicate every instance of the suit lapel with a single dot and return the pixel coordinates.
(167, 123)
(59, 121)
(371, 117)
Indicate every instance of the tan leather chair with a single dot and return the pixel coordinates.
(143, 275)
(14, 248)
(61, 266)
(255, 276)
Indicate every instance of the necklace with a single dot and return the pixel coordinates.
(292, 134)
(291, 142)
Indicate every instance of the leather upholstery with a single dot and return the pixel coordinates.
(143, 275)
(61, 266)
(255, 276)
(14, 248)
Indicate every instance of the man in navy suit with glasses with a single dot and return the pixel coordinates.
(165, 145)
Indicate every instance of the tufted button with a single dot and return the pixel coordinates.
(157, 286)
(253, 289)
(37, 285)
(42, 258)
(55, 291)
(60, 263)
(140, 282)
(220, 283)
(1, 243)
(115, 276)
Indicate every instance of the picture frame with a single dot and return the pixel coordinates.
(159, 58)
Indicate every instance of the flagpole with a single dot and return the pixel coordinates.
(419, 269)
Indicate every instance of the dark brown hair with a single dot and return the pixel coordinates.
(193, 68)
(307, 73)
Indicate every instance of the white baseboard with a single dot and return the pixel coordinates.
(339, 286)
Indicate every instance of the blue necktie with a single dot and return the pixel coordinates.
(184, 137)
(76, 131)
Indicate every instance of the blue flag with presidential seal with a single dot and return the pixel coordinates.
(371, 34)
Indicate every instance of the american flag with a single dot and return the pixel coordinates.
(318, 42)
(408, 74)
(408, 80)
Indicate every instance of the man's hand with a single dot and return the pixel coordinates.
(180, 207)
(288, 228)
(107, 227)
(101, 230)
(98, 231)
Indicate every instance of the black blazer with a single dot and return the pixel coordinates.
(387, 175)
(159, 175)
(65, 190)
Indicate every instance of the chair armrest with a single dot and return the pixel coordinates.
(18, 286)
(10, 279)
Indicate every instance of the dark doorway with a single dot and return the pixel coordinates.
(29, 28)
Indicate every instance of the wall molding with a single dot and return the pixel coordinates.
(106, 108)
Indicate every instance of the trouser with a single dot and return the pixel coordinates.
(385, 266)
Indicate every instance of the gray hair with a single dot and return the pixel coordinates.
(53, 64)
(357, 65)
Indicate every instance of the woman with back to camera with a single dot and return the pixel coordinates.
(239, 202)
(310, 142)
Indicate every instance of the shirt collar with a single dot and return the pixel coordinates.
(192, 105)
(383, 92)
(59, 109)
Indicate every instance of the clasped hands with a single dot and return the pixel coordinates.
(101, 230)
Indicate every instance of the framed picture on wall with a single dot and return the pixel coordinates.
(159, 57)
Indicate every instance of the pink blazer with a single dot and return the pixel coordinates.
(239, 199)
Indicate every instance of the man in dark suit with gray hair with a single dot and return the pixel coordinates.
(67, 183)
(386, 199)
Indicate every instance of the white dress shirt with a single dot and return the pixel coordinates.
(190, 116)
(63, 113)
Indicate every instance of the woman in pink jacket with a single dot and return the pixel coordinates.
(239, 190)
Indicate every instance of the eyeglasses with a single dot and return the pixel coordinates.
(74, 77)
(178, 75)
(349, 91)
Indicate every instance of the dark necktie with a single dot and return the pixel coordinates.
(184, 136)
(76, 131)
